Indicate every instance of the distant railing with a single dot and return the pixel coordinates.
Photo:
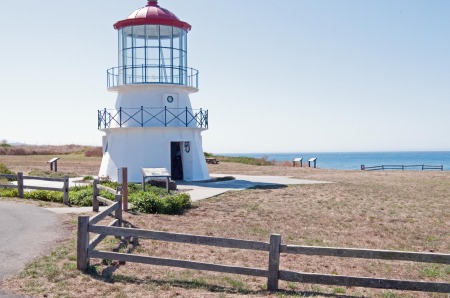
(152, 74)
(152, 117)
(401, 167)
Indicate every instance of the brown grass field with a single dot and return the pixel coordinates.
(397, 210)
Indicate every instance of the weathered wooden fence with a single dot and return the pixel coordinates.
(401, 167)
(21, 184)
(84, 244)
(86, 250)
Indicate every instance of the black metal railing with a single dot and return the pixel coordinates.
(152, 117)
(402, 167)
(152, 74)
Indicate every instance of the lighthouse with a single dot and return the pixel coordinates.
(153, 124)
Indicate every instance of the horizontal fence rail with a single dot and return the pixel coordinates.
(275, 249)
(152, 74)
(152, 117)
(21, 185)
(401, 167)
(84, 244)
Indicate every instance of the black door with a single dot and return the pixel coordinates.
(177, 164)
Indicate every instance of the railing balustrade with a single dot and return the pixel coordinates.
(152, 74)
(152, 117)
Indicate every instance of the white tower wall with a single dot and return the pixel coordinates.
(150, 147)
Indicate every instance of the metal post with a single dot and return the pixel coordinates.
(120, 116)
(142, 116)
(165, 115)
(105, 117)
(186, 117)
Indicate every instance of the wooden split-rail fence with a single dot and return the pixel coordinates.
(86, 250)
(21, 184)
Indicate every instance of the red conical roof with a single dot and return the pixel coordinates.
(152, 14)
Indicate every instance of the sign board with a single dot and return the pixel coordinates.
(155, 173)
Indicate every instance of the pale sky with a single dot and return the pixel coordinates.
(276, 76)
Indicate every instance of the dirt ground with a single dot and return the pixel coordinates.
(381, 210)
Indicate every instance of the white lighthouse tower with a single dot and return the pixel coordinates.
(153, 124)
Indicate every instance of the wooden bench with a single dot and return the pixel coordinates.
(53, 164)
(211, 160)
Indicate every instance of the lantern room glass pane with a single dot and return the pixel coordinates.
(152, 54)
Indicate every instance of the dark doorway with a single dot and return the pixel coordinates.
(177, 163)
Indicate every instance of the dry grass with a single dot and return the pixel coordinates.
(382, 210)
(44, 149)
(71, 163)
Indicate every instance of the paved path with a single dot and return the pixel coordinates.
(26, 232)
(203, 190)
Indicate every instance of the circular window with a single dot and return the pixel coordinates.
(170, 99)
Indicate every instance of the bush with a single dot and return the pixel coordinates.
(44, 195)
(149, 202)
(81, 195)
(9, 193)
(207, 154)
(4, 170)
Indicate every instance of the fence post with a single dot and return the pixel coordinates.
(83, 243)
(274, 262)
(95, 202)
(20, 184)
(125, 189)
(66, 190)
(118, 212)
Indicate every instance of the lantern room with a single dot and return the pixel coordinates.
(152, 49)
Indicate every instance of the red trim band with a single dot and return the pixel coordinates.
(152, 21)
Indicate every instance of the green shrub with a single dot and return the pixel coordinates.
(81, 195)
(9, 192)
(5, 171)
(150, 202)
(44, 195)
(88, 178)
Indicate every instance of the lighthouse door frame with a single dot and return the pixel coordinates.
(176, 160)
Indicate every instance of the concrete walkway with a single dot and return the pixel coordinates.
(197, 190)
(204, 190)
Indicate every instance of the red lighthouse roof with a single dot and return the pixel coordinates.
(152, 14)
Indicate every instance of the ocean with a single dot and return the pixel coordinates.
(354, 160)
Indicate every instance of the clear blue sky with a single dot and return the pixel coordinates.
(276, 76)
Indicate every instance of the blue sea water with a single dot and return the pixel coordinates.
(354, 160)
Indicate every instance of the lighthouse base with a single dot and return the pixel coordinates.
(178, 150)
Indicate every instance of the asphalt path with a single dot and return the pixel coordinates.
(26, 232)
